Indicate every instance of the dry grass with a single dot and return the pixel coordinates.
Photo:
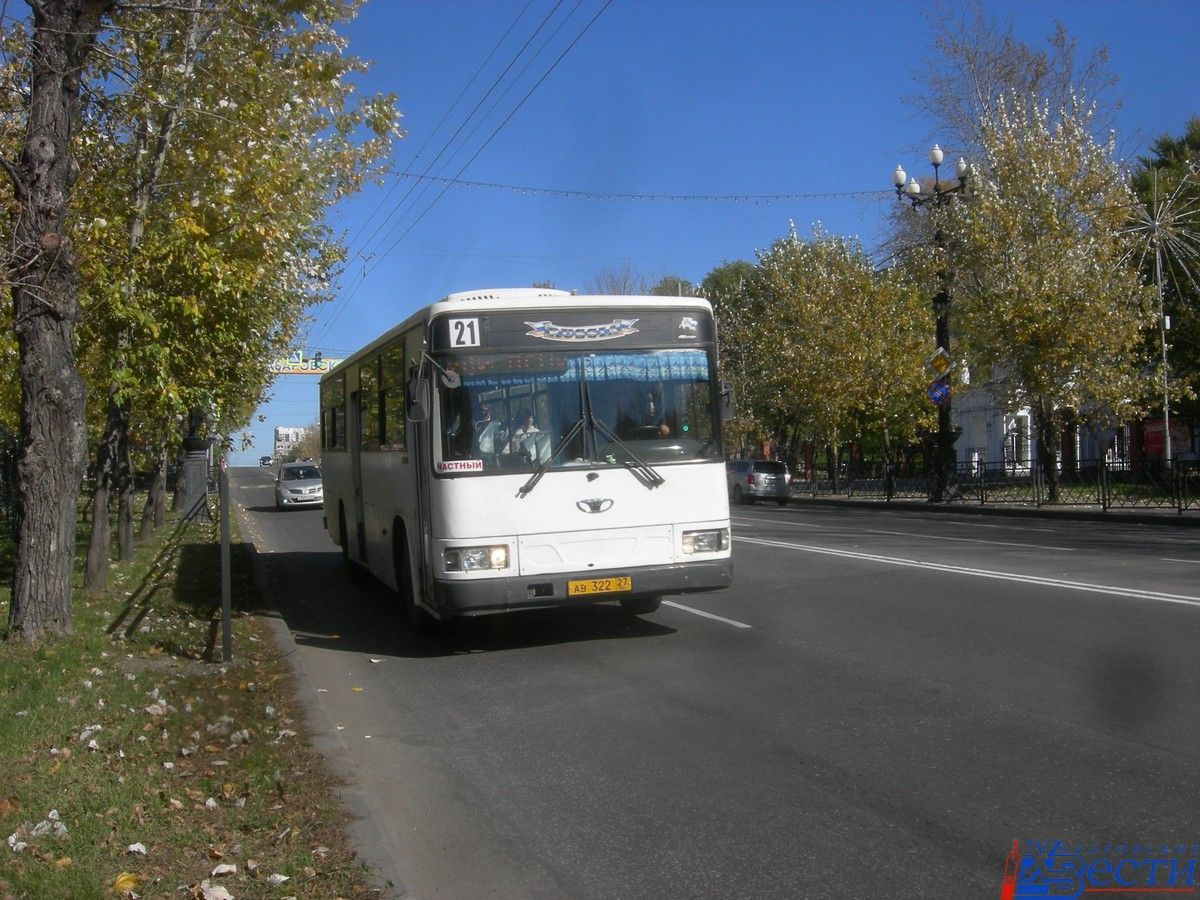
(131, 764)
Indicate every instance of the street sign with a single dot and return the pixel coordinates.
(295, 363)
(938, 393)
(939, 362)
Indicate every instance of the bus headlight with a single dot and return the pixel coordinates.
(473, 559)
(706, 541)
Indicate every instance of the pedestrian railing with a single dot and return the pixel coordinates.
(1096, 482)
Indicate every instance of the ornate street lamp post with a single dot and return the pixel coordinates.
(939, 391)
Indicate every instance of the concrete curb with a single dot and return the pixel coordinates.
(1168, 517)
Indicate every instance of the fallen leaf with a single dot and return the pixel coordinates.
(358, 690)
(210, 891)
(126, 881)
(224, 869)
(9, 805)
(64, 862)
(277, 879)
(138, 848)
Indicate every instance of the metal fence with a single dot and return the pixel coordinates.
(1095, 482)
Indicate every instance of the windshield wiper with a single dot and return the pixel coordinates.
(641, 470)
(644, 473)
(541, 470)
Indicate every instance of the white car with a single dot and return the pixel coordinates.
(299, 484)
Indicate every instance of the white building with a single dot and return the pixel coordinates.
(286, 438)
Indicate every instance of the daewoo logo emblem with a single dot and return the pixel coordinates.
(594, 506)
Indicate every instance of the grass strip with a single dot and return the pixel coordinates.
(134, 765)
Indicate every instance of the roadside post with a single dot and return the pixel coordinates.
(226, 592)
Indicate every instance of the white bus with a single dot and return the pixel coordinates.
(519, 448)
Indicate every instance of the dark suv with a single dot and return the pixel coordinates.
(757, 479)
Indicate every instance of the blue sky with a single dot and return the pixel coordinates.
(664, 98)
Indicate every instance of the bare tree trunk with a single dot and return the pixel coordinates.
(96, 572)
(45, 310)
(1049, 435)
(158, 490)
(124, 485)
(154, 512)
(179, 495)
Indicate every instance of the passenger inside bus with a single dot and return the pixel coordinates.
(490, 435)
(524, 428)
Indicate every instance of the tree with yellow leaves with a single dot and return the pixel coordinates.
(1047, 310)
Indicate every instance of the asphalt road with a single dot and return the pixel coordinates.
(882, 703)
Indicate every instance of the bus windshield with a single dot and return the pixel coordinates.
(516, 412)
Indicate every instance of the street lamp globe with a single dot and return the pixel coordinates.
(936, 155)
(961, 168)
(913, 189)
(898, 176)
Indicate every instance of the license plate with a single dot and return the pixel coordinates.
(600, 586)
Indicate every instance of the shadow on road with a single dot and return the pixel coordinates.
(323, 607)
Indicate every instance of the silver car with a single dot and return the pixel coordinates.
(757, 479)
(298, 484)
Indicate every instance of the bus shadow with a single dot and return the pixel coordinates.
(324, 606)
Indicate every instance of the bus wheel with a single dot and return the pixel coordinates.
(640, 606)
(413, 614)
(782, 501)
(737, 495)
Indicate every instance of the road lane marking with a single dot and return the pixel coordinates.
(1183, 599)
(945, 537)
(933, 537)
(706, 615)
(1173, 559)
(774, 522)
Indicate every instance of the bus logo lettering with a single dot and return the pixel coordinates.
(548, 331)
(594, 506)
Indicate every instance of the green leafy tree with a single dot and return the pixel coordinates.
(672, 286)
(237, 131)
(1047, 311)
(825, 348)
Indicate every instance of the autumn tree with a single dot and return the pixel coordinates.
(237, 131)
(1047, 311)
(977, 61)
(43, 279)
(837, 349)
(731, 289)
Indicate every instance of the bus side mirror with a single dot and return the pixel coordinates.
(416, 407)
(728, 404)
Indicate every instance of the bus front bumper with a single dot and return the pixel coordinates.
(472, 598)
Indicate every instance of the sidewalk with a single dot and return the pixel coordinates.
(1081, 512)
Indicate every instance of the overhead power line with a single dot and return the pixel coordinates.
(644, 198)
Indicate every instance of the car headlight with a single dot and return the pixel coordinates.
(706, 541)
(473, 559)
